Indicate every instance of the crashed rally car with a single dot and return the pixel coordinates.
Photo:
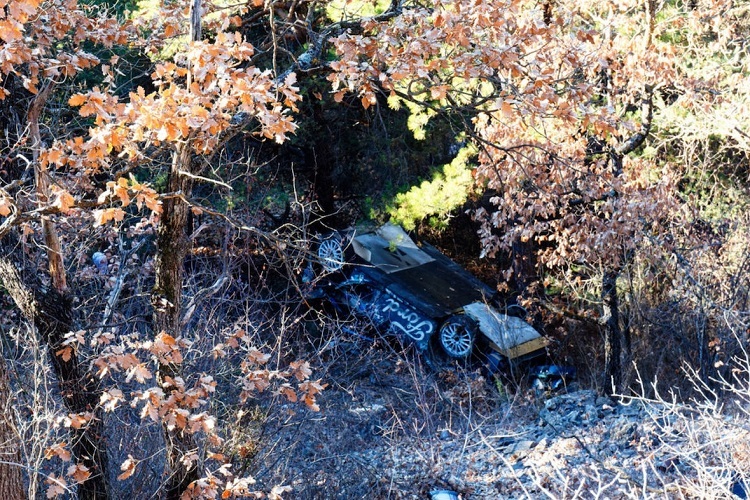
(417, 293)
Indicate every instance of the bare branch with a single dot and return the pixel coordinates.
(635, 141)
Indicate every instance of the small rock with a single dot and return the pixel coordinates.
(541, 445)
(374, 408)
(567, 446)
(623, 431)
(519, 447)
(573, 418)
(629, 409)
(603, 401)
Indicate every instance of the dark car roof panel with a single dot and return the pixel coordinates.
(387, 255)
(432, 283)
(421, 275)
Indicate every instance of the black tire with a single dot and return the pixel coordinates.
(456, 336)
(331, 253)
(516, 310)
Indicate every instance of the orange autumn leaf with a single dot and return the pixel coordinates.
(301, 370)
(4, 207)
(127, 468)
(57, 486)
(64, 201)
(102, 216)
(59, 450)
(9, 31)
(121, 191)
(77, 100)
(52, 156)
(77, 420)
(66, 353)
(139, 372)
(288, 392)
(257, 357)
(79, 473)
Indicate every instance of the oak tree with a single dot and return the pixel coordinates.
(200, 98)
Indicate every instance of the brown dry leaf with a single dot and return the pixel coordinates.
(127, 468)
(59, 450)
(103, 216)
(208, 383)
(4, 207)
(178, 418)
(189, 459)
(165, 348)
(140, 372)
(77, 337)
(311, 402)
(218, 351)
(66, 353)
(57, 486)
(111, 398)
(79, 473)
(257, 357)
(277, 491)
(233, 340)
(77, 100)
(77, 420)
(438, 92)
(301, 370)
(288, 392)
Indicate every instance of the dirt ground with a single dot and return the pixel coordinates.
(391, 425)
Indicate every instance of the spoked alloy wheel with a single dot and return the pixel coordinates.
(457, 336)
(331, 254)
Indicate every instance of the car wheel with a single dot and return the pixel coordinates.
(456, 336)
(331, 253)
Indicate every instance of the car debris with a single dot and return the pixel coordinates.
(416, 292)
(740, 488)
(551, 378)
(443, 495)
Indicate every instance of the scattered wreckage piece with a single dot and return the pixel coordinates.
(547, 379)
(418, 294)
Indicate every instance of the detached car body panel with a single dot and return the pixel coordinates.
(418, 293)
(508, 335)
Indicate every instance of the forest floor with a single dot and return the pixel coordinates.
(392, 427)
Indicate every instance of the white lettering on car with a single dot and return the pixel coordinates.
(408, 322)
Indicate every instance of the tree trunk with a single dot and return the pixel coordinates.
(612, 333)
(11, 473)
(172, 246)
(42, 183)
(51, 314)
(614, 338)
(524, 265)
